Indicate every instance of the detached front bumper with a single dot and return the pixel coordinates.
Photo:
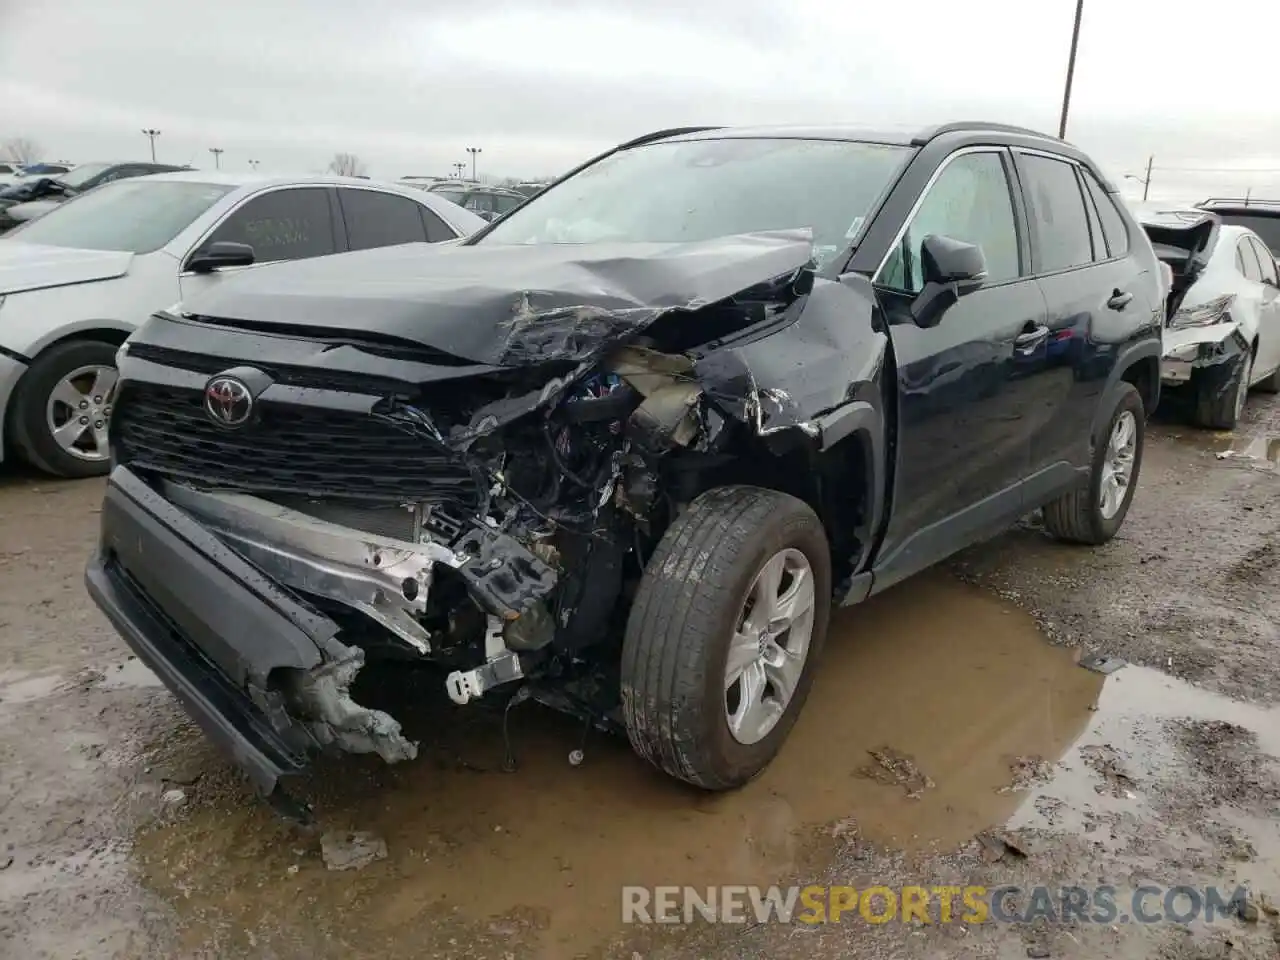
(209, 625)
(214, 592)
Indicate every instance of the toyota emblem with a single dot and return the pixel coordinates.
(227, 401)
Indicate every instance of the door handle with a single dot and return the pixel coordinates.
(1119, 299)
(1030, 338)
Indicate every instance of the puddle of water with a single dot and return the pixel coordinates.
(128, 675)
(1261, 449)
(936, 669)
(24, 686)
(1128, 743)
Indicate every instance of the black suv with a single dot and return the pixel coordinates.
(624, 450)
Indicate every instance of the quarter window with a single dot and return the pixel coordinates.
(1248, 261)
(1265, 260)
(380, 219)
(437, 229)
(283, 225)
(1113, 225)
(1057, 212)
(970, 201)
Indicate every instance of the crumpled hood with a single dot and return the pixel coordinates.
(505, 305)
(34, 266)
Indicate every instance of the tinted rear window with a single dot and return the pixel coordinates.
(1264, 225)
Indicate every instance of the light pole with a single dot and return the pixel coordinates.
(217, 157)
(475, 152)
(253, 164)
(151, 135)
(457, 170)
(1146, 183)
(1071, 71)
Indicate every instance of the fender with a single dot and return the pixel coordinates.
(1126, 357)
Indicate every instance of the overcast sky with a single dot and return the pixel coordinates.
(408, 85)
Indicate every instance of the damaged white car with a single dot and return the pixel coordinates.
(1222, 337)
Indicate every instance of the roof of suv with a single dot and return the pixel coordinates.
(915, 137)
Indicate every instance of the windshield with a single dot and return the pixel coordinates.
(453, 196)
(1267, 227)
(702, 189)
(134, 216)
(82, 174)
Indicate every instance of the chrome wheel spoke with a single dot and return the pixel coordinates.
(783, 674)
(744, 650)
(104, 385)
(768, 652)
(68, 395)
(69, 433)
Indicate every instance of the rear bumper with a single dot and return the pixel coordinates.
(210, 626)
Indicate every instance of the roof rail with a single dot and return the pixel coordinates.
(662, 135)
(1240, 201)
(959, 126)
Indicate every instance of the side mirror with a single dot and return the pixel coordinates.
(951, 268)
(221, 253)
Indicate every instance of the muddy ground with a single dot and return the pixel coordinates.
(124, 834)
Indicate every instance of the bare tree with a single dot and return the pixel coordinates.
(346, 165)
(22, 149)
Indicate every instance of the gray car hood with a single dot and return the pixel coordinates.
(504, 305)
(34, 266)
(32, 209)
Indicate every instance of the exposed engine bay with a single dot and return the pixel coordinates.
(560, 459)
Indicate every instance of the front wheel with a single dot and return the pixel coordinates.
(61, 408)
(721, 642)
(1093, 514)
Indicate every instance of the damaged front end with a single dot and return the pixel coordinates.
(478, 479)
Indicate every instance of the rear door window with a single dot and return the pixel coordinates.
(1057, 213)
(377, 219)
(292, 224)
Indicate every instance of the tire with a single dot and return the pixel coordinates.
(33, 439)
(1221, 409)
(675, 653)
(1079, 516)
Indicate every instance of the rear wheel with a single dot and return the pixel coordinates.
(60, 410)
(1220, 406)
(1093, 514)
(720, 645)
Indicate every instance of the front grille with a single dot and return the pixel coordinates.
(287, 449)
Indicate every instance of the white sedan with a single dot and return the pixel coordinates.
(76, 282)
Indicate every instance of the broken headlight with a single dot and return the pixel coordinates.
(1204, 314)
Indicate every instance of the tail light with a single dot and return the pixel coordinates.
(1203, 314)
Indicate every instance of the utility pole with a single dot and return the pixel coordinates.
(475, 152)
(151, 135)
(1145, 181)
(217, 157)
(1071, 71)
